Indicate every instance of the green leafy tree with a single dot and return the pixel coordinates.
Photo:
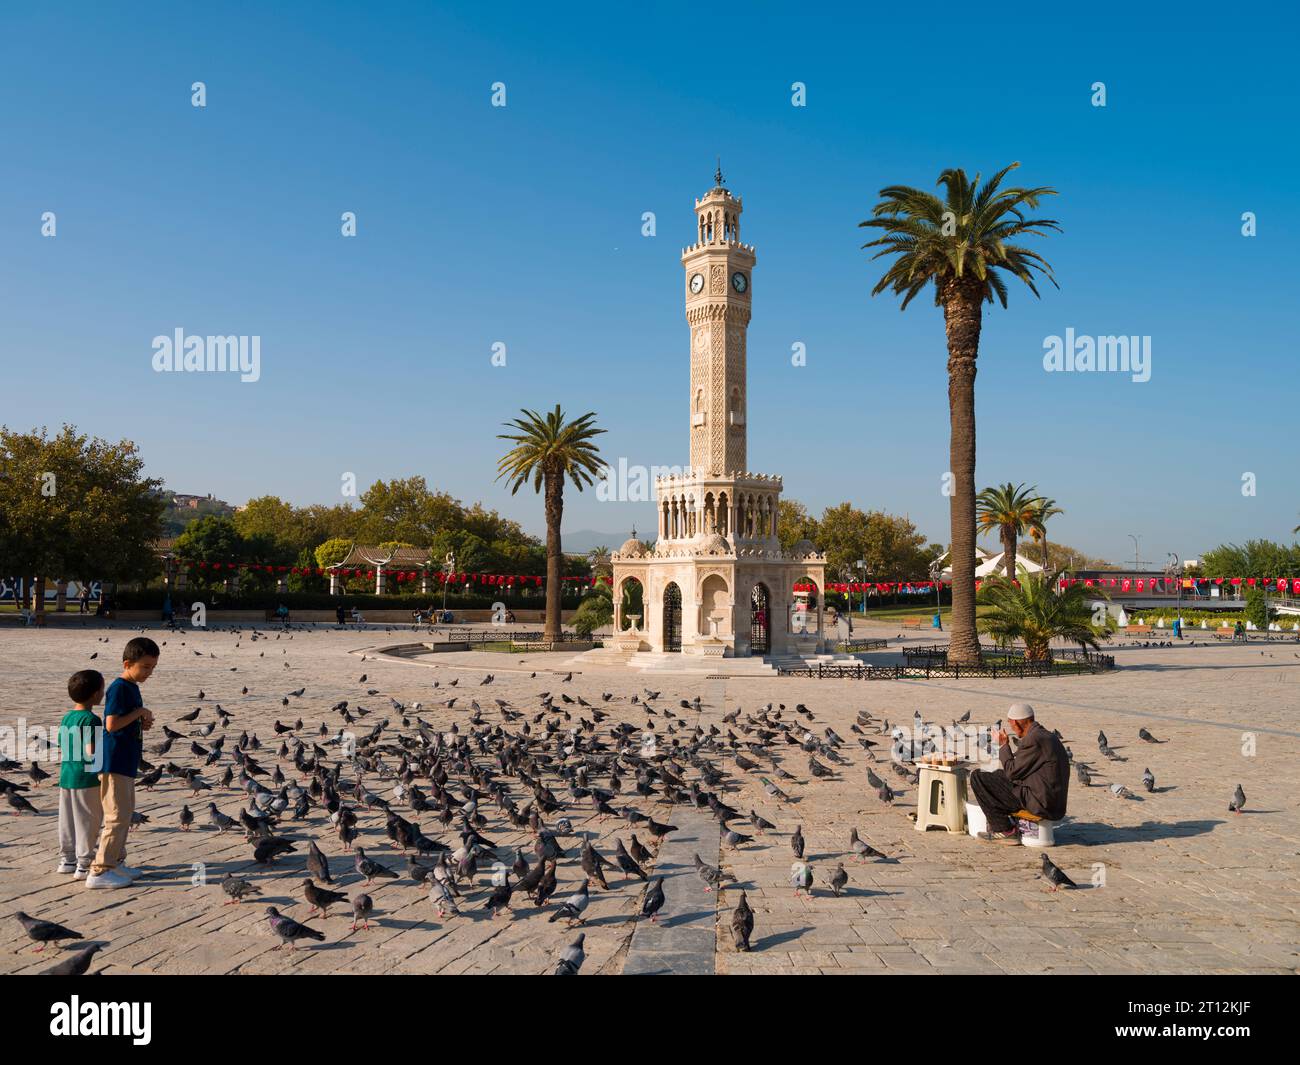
(332, 552)
(405, 509)
(1257, 610)
(1034, 612)
(595, 611)
(794, 523)
(73, 506)
(961, 244)
(548, 451)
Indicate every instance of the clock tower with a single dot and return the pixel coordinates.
(716, 591)
(719, 270)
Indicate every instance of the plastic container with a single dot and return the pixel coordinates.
(1038, 833)
(975, 822)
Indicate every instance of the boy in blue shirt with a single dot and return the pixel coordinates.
(125, 719)
(80, 812)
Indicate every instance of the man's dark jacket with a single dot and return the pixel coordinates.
(1039, 772)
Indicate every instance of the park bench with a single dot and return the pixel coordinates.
(1223, 634)
(1139, 630)
(914, 623)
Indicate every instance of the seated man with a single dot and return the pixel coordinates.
(1036, 778)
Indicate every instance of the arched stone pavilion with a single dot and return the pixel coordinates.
(716, 583)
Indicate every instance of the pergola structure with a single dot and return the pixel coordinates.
(372, 557)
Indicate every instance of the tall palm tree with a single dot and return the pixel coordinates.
(1009, 510)
(961, 244)
(547, 450)
(599, 558)
(1035, 613)
(1045, 508)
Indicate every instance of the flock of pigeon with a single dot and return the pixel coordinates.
(546, 770)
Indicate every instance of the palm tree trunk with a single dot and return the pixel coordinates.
(554, 490)
(1009, 553)
(961, 313)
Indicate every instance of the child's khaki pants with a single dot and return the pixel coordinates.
(117, 794)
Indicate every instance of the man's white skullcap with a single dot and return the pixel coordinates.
(1020, 712)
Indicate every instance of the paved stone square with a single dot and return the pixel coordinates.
(1170, 882)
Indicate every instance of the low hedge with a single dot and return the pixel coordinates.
(152, 599)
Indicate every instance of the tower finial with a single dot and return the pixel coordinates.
(717, 175)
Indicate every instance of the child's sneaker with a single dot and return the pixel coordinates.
(66, 866)
(81, 874)
(110, 878)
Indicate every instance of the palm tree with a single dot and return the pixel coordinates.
(547, 450)
(1009, 510)
(960, 243)
(600, 561)
(1034, 612)
(1045, 508)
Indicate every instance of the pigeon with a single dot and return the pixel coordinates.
(862, 849)
(742, 924)
(1081, 771)
(735, 839)
(237, 888)
(838, 879)
(362, 906)
(440, 895)
(221, 822)
(711, 876)
(796, 841)
(572, 957)
(657, 830)
(1238, 801)
(1053, 875)
(760, 824)
(801, 878)
(654, 900)
(626, 862)
(78, 964)
(317, 864)
(320, 898)
(290, 930)
(1120, 792)
(44, 932)
(1148, 780)
(1101, 739)
(20, 805)
(370, 869)
(573, 907)
(187, 818)
(267, 849)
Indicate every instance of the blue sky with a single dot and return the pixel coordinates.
(521, 225)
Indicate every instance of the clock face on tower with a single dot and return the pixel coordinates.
(739, 281)
(697, 283)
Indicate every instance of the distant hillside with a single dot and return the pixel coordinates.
(182, 509)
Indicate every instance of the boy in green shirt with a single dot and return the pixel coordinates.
(80, 809)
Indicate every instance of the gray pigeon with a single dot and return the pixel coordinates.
(317, 864)
(370, 869)
(839, 878)
(574, 906)
(362, 907)
(236, 887)
(654, 900)
(742, 924)
(290, 930)
(1054, 876)
(711, 876)
(1148, 780)
(1238, 801)
(77, 964)
(572, 957)
(44, 932)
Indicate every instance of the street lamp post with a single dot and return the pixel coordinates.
(1174, 571)
(936, 571)
(449, 568)
(861, 564)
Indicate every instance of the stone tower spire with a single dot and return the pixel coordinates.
(718, 299)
